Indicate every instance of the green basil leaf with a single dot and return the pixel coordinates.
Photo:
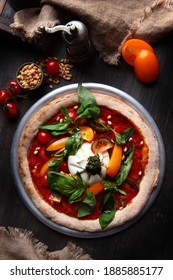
(108, 209)
(55, 163)
(67, 118)
(112, 186)
(122, 139)
(74, 142)
(125, 168)
(88, 106)
(109, 185)
(66, 185)
(63, 184)
(55, 127)
(80, 189)
(59, 128)
(87, 205)
(76, 195)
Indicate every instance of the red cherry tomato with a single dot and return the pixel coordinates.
(4, 95)
(72, 113)
(10, 109)
(52, 67)
(64, 166)
(14, 88)
(146, 66)
(44, 137)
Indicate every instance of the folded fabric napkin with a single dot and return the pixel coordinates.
(110, 22)
(19, 244)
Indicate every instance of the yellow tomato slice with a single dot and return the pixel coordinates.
(115, 161)
(44, 168)
(95, 188)
(87, 133)
(56, 145)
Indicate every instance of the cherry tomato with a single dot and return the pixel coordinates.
(4, 95)
(10, 109)
(44, 137)
(146, 66)
(72, 113)
(132, 47)
(14, 88)
(101, 145)
(52, 67)
(64, 166)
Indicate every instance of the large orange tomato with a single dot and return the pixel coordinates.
(146, 66)
(132, 47)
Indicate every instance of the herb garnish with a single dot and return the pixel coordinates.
(87, 206)
(125, 167)
(72, 187)
(121, 139)
(108, 209)
(88, 107)
(59, 128)
(93, 165)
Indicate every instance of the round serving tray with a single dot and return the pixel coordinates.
(50, 96)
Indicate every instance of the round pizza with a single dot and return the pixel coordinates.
(88, 160)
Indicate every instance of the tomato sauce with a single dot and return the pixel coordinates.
(37, 158)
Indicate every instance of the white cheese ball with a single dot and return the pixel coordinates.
(78, 162)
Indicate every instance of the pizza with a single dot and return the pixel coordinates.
(88, 160)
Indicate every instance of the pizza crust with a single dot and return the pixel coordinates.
(147, 184)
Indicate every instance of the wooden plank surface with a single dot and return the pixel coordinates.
(151, 237)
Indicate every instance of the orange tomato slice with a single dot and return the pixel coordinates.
(95, 188)
(115, 161)
(132, 47)
(87, 133)
(146, 66)
(44, 168)
(56, 145)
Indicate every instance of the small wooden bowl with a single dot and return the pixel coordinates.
(30, 76)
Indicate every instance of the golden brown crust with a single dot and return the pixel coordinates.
(149, 180)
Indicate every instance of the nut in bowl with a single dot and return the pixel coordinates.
(30, 76)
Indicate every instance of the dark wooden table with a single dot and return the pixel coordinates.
(152, 236)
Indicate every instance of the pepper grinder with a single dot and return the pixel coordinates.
(75, 34)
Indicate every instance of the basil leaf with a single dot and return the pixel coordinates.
(55, 163)
(122, 139)
(60, 127)
(66, 185)
(108, 208)
(109, 185)
(56, 127)
(125, 168)
(74, 142)
(87, 205)
(112, 186)
(88, 107)
(67, 118)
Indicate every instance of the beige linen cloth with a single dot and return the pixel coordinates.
(109, 22)
(18, 244)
